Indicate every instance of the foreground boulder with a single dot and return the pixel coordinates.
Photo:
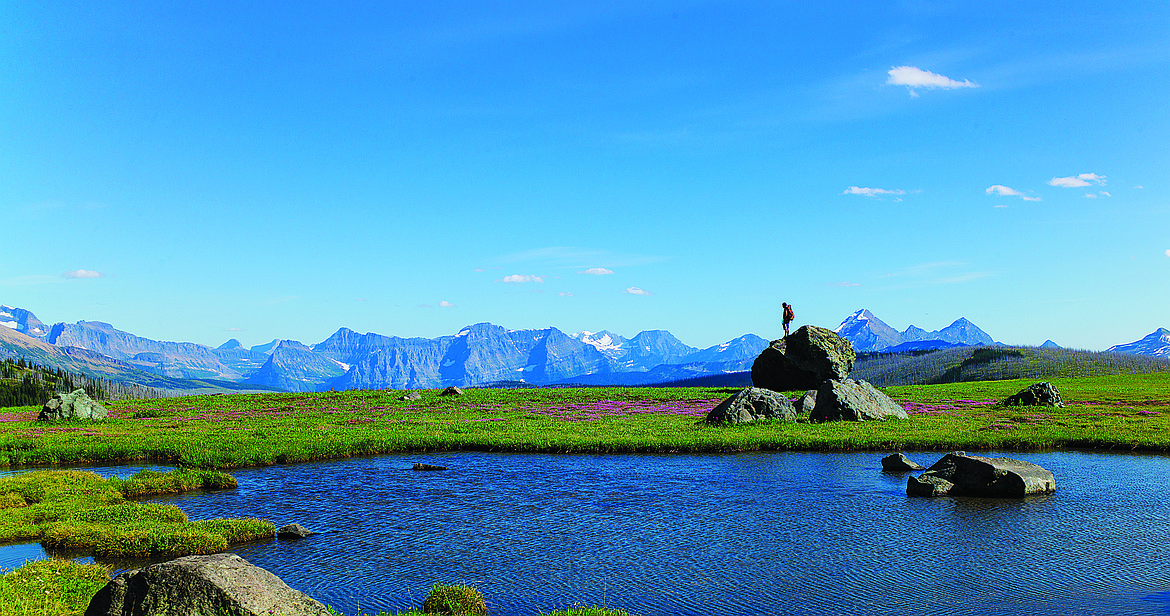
(899, 463)
(803, 360)
(959, 474)
(1037, 394)
(75, 405)
(451, 391)
(752, 404)
(414, 395)
(212, 585)
(851, 400)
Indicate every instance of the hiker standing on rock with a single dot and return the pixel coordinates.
(789, 316)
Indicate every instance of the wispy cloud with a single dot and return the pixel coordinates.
(518, 278)
(565, 294)
(1005, 191)
(236, 329)
(913, 77)
(1168, 252)
(83, 274)
(637, 291)
(845, 283)
(446, 304)
(1078, 181)
(597, 271)
(872, 192)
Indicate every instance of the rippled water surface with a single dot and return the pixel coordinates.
(768, 533)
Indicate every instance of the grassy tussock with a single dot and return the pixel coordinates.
(454, 599)
(76, 510)
(50, 588)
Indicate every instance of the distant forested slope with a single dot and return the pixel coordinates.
(24, 383)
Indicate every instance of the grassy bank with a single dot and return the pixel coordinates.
(1129, 412)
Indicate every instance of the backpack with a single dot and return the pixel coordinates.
(789, 315)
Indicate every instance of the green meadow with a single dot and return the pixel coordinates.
(73, 510)
(1130, 412)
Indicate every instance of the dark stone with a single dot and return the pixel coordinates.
(293, 531)
(451, 391)
(752, 404)
(853, 401)
(959, 474)
(414, 395)
(76, 405)
(419, 466)
(214, 584)
(1037, 394)
(807, 402)
(899, 463)
(803, 360)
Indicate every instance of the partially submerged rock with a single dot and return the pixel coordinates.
(803, 360)
(899, 463)
(212, 585)
(419, 466)
(1037, 394)
(853, 401)
(75, 405)
(959, 474)
(451, 391)
(752, 404)
(293, 531)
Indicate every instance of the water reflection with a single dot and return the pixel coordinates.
(793, 533)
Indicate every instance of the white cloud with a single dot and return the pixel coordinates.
(1005, 191)
(845, 283)
(1090, 196)
(999, 206)
(565, 294)
(446, 304)
(871, 192)
(83, 274)
(1105, 193)
(914, 77)
(1139, 186)
(1168, 253)
(637, 291)
(597, 271)
(1078, 181)
(514, 278)
(236, 329)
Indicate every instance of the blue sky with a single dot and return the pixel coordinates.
(202, 171)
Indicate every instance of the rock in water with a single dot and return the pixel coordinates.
(215, 584)
(853, 401)
(752, 404)
(959, 474)
(899, 463)
(1037, 394)
(803, 360)
(419, 466)
(451, 391)
(76, 405)
(293, 531)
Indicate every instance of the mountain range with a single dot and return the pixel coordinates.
(480, 354)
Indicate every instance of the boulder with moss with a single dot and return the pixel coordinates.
(75, 405)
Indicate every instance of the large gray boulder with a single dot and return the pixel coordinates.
(853, 401)
(752, 404)
(803, 360)
(75, 405)
(807, 402)
(1037, 394)
(959, 474)
(202, 586)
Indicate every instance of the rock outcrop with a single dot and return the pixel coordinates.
(75, 405)
(1037, 394)
(410, 397)
(959, 474)
(899, 463)
(853, 401)
(752, 404)
(214, 584)
(451, 391)
(803, 360)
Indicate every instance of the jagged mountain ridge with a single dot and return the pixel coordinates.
(1157, 344)
(868, 333)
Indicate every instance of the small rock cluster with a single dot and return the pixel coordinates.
(815, 359)
(960, 474)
